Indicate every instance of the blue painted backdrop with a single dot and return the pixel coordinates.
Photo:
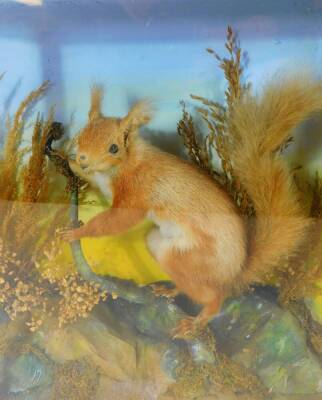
(147, 48)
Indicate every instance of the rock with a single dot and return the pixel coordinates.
(126, 390)
(125, 358)
(3, 317)
(154, 320)
(269, 341)
(34, 394)
(280, 356)
(240, 320)
(253, 330)
(315, 307)
(26, 372)
(91, 339)
(2, 369)
(173, 359)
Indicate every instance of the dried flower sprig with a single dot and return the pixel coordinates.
(68, 298)
(186, 129)
(11, 157)
(77, 298)
(216, 118)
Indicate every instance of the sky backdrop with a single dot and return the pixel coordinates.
(147, 48)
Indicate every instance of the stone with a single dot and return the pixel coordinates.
(27, 372)
(270, 342)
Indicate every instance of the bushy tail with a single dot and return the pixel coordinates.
(259, 126)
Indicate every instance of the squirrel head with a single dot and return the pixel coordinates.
(104, 142)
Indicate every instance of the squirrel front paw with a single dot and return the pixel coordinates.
(69, 235)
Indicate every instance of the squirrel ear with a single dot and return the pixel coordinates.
(95, 111)
(140, 114)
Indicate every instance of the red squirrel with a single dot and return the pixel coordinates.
(200, 239)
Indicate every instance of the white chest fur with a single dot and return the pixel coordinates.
(104, 183)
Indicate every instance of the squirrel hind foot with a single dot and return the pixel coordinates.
(188, 328)
(163, 291)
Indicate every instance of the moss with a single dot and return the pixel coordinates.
(202, 379)
(313, 329)
(75, 380)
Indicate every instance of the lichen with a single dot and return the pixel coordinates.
(75, 380)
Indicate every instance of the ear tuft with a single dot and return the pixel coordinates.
(140, 114)
(97, 95)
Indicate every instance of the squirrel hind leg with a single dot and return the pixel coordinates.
(210, 310)
(190, 327)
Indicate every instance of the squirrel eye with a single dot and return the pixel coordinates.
(114, 148)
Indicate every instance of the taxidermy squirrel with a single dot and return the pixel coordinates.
(200, 239)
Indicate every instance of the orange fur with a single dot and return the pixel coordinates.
(260, 125)
(200, 238)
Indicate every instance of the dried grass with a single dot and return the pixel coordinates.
(35, 296)
(202, 379)
(75, 380)
(28, 231)
(216, 118)
(12, 153)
